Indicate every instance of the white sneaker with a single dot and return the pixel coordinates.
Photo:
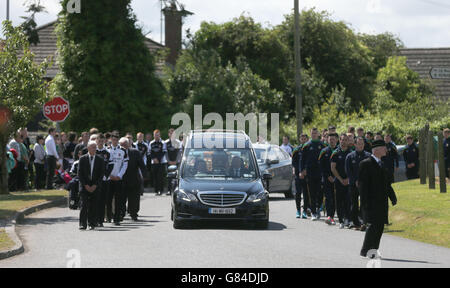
(313, 217)
(341, 226)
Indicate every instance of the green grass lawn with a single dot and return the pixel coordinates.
(421, 214)
(13, 202)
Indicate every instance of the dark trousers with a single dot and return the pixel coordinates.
(88, 205)
(354, 205)
(114, 193)
(328, 188)
(21, 176)
(12, 181)
(134, 198)
(51, 166)
(158, 176)
(412, 173)
(314, 193)
(299, 190)
(372, 238)
(101, 202)
(39, 180)
(342, 201)
(305, 192)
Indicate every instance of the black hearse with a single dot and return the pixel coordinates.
(219, 179)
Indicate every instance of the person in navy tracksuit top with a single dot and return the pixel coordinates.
(300, 184)
(311, 170)
(411, 156)
(328, 178)
(447, 151)
(342, 181)
(352, 169)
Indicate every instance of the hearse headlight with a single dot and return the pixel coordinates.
(257, 197)
(186, 196)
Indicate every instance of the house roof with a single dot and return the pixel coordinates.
(47, 48)
(423, 60)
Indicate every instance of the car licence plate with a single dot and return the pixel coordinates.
(222, 211)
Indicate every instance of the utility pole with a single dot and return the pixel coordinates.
(7, 10)
(162, 22)
(298, 63)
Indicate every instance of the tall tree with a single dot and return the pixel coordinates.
(29, 25)
(335, 51)
(23, 89)
(382, 46)
(333, 57)
(107, 72)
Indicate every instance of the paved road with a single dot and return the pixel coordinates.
(50, 234)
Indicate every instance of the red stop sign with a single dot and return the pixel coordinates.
(57, 110)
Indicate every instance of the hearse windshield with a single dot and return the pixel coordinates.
(221, 164)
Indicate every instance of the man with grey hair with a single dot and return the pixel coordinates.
(117, 166)
(375, 189)
(91, 170)
(132, 179)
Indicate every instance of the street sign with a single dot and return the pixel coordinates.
(440, 73)
(57, 110)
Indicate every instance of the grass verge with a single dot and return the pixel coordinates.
(421, 214)
(13, 202)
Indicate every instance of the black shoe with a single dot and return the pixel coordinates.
(158, 193)
(363, 254)
(135, 219)
(91, 228)
(168, 193)
(82, 228)
(100, 225)
(108, 221)
(116, 223)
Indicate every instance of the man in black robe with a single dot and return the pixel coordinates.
(375, 190)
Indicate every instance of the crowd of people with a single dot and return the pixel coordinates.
(105, 173)
(326, 168)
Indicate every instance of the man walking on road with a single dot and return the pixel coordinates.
(91, 170)
(311, 171)
(132, 179)
(352, 169)
(158, 151)
(375, 189)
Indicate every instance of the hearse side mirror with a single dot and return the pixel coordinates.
(272, 162)
(172, 172)
(172, 168)
(267, 176)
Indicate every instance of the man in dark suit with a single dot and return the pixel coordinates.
(375, 189)
(91, 170)
(237, 169)
(133, 178)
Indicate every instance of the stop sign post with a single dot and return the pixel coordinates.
(57, 110)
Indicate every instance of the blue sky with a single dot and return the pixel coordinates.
(419, 23)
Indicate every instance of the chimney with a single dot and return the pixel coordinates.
(174, 27)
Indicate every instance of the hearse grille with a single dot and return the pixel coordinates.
(222, 199)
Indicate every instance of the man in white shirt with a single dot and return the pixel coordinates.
(52, 156)
(286, 146)
(117, 166)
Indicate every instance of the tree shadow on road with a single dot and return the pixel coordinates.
(47, 221)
